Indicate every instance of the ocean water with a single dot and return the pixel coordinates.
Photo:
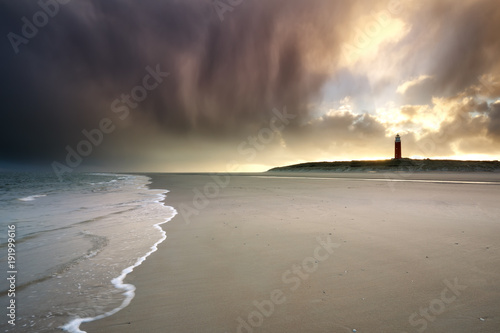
(75, 242)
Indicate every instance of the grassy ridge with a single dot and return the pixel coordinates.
(404, 164)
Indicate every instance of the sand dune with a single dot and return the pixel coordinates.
(404, 164)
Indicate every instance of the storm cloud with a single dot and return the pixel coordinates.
(423, 68)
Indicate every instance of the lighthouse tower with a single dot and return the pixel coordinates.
(397, 148)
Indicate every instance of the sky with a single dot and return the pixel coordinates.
(245, 85)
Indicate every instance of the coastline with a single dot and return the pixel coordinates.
(397, 164)
(75, 242)
(128, 290)
(398, 247)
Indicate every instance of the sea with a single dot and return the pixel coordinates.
(75, 241)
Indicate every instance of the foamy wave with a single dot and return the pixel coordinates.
(129, 289)
(32, 197)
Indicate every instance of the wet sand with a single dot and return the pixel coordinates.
(319, 254)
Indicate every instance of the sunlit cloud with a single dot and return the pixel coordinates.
(353, 74)
(402, 88)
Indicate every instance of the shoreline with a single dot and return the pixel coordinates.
(76, 242)
(214, 273)
(74, 326)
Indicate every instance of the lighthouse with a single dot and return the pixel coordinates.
(397, 148)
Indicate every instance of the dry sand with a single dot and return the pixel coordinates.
(409, 256)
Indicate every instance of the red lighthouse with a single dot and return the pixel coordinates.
(397, 148)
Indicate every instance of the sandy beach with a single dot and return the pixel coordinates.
(311, 253)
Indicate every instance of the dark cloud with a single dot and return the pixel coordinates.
(494, 121)
(225, 77)
(454, 44)
(339, 134)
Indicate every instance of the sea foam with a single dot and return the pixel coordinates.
(32, 197)
(128, 289)
(79, 243)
